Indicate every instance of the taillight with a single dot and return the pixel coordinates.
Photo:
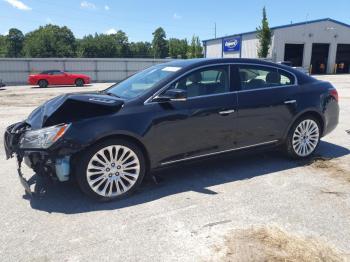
(334, 94)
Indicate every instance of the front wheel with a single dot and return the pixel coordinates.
(43, 83)
(303, 138)
(111, 169)
(79, 82)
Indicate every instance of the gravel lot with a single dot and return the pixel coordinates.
(251, 207)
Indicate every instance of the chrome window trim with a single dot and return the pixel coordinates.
(149, 99)
(203, 96)
(218, 152)
(263, 88)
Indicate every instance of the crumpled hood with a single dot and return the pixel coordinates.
(73, 107)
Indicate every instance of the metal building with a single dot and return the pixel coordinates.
(321, 46)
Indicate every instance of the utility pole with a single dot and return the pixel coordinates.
(215, 30)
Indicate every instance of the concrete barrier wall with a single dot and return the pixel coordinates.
(16, 70)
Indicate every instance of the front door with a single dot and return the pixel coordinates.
(202, 124)
(267, 101)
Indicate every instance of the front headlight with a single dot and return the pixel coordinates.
(43, 138)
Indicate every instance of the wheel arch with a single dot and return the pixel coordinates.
(42, 79)
(79, 78)
(129, 138)
(308, 112)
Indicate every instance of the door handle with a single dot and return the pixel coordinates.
(227, 112)
(290, 101)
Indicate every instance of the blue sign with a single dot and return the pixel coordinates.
(232, 44)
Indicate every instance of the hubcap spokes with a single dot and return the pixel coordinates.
(305, 137)
(113, 170)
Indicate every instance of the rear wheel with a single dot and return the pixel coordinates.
(79, 82)
(303, 137)
(111, 169)
(43, 83)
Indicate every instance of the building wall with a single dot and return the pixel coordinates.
(250, 45)
(16, 70)
(231, 54)
(318, 32)
(326, 32)
(213, 48)
(249, 48)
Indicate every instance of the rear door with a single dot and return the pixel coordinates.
(266, 104)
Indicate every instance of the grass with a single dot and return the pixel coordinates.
(275, 245)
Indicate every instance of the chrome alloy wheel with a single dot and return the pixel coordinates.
(113, 170)
(305, 137)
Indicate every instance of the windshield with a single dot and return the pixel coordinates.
(142, 81)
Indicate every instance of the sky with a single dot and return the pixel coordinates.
(179, 18)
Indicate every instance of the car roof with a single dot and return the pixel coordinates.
(207, 61)
(49, 71)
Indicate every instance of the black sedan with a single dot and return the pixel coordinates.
(168, 114)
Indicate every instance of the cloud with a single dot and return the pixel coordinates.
(19, 5)
(49, 20)
(107, 8)
(87, 5)
(177, 16)
(111, 31)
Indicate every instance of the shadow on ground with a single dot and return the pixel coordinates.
(196, 176)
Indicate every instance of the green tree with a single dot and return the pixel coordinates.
(195, 50)
(122, 42)
(50, 41)
(141, 50)
(264, 35)
(3, 46)
(178, 48)
(159, 43)
(86, 47)
(102, 45)
(14, 40)
(99, 45)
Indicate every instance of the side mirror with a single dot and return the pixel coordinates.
(171, 95)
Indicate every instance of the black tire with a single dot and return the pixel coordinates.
(87, 155)
(290, 149)
(43, 83)
(79, 82)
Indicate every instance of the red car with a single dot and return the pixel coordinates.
(56, 77)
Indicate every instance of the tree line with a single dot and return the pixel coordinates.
(55, 41)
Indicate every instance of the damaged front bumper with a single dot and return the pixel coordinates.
(44, 162)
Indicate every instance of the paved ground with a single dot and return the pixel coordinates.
(245, 208)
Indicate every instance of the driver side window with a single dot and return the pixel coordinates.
(207, 81)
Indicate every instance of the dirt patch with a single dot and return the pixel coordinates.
(331, 167)
(273, 244)
(24, 100)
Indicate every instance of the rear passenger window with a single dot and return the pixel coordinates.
(255, 77)
(208, 81)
